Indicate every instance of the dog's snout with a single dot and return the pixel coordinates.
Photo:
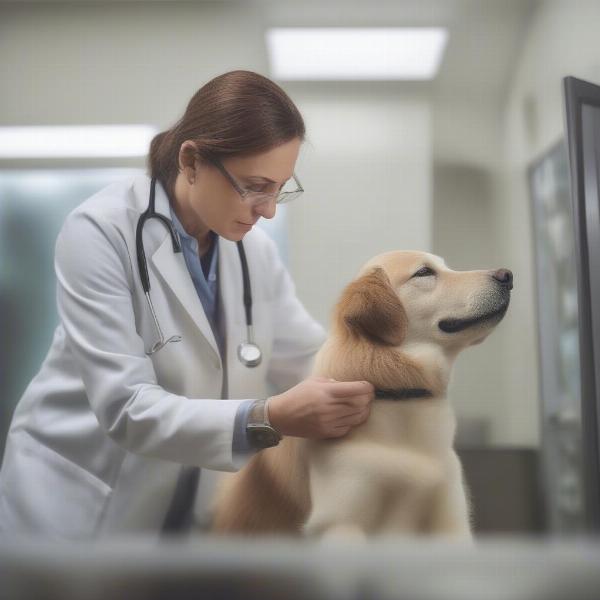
(504, 277)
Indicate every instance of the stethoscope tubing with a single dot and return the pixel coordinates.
(148, 214)
(248, 352)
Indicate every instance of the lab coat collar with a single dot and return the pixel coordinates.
(171, 266)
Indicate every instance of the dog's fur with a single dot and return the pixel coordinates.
(398, 471)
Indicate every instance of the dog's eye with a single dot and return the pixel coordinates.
(424, 272)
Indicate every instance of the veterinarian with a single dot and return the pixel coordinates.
(172, 334)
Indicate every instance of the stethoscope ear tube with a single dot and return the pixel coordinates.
(141, 257)
(150, 213)
(248, 352)
(246, 278)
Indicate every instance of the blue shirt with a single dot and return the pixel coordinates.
(204, 274)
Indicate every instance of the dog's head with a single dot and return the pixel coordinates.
(413, 297)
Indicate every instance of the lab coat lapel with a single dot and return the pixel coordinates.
(174, 271)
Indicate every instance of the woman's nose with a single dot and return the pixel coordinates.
(266, 209)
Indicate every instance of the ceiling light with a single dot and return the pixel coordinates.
(86, 141)
(355, 54)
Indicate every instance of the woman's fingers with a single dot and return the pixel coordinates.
(349, 389)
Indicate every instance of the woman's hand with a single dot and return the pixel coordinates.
(320, 408)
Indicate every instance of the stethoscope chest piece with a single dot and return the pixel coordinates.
(249, 354)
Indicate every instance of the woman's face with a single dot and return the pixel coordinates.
(208, 201)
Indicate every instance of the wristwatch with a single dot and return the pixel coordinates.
(261, 433)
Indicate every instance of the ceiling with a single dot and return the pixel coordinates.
(484, 41)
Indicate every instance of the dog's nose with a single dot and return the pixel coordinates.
(504, 277)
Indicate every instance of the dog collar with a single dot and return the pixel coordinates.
(402, 393)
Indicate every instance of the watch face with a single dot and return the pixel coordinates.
(263, 437)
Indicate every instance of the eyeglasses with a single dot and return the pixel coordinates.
(290, 190)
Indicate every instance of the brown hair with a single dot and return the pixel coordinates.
(235, 114)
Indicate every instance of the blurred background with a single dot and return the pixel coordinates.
(468, 162)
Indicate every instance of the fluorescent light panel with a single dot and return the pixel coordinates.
(355, 54)
(89, 141)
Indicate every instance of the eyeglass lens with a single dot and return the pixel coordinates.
(289, 191)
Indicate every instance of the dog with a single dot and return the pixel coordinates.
(400, 325)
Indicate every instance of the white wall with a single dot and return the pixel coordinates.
(563, 39)
(367, 169)
(368, 166)
(483, 146)
(118, 62)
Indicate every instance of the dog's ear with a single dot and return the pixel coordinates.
(370, 307)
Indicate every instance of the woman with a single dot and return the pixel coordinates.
(142, 396)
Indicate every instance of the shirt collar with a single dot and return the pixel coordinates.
(189, 241)
(177, 224)
(182, 232)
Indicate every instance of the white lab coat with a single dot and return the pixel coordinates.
(98, 439)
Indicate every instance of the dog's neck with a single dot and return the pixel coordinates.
(402, 393)
(435, 364)
(412, 370)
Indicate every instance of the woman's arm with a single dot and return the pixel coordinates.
(95, 305)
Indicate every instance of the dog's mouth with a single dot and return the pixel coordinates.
(455, 325)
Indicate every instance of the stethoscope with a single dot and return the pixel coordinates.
(248, 352)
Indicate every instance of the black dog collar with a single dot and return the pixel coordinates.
(402, 393)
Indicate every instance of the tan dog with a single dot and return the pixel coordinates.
(400, 325)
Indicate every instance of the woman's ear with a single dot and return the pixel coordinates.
(370, 307)
(187, 160)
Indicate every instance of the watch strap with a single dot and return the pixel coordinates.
(260, 432)
(258, 413)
